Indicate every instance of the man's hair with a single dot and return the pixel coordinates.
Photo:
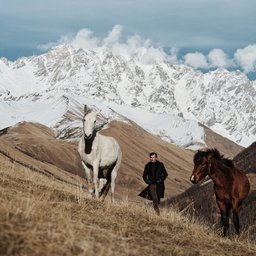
(153, 153)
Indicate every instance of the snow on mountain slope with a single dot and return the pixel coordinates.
(65, 116)
(223, 101)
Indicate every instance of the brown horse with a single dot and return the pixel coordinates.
(231, 185)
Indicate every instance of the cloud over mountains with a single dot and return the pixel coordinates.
(148, 52)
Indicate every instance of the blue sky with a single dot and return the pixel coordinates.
(201, 33)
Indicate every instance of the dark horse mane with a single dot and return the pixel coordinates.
(216, 155)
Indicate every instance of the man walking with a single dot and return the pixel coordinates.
(154, 175)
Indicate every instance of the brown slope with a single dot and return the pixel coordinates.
(38, 142)
(224, 145)
(136, 144)
(246, 159)
(14, 159)
(38, 145)
(34, 145)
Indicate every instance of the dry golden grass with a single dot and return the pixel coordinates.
(40, 215)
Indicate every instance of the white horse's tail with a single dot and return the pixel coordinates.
(105, 190)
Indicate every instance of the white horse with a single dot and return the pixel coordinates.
(100, 155)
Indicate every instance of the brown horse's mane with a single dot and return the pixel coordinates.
(216, 155)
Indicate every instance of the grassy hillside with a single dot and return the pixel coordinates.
(44, 209)
(42, 215)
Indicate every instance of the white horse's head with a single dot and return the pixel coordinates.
(89, 121)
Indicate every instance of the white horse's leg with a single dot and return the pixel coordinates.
(95, 179)
(89, 179)
(113, 178)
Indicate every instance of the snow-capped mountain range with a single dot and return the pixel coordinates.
(165, 99)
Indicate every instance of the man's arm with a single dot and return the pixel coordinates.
(145, 175)
(164, 174)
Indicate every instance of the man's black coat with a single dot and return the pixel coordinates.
(158, 179)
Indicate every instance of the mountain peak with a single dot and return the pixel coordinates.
(223, 101)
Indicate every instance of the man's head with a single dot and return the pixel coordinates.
(153, 157)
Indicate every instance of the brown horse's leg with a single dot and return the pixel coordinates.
(228, 209)
(236, 209)
(224, 211)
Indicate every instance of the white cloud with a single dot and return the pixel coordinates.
(218, 58)
(113, 36)
(153, 54)
(174, 55)
(246, 58)
(143, 50)
(196, 60)
(84, 39)
(48, 46)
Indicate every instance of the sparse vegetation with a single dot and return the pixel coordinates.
(40, 215)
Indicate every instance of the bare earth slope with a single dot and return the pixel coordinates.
(136, 145)
(224, 145)
(35, 145)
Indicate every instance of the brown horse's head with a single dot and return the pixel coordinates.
(202, 161)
